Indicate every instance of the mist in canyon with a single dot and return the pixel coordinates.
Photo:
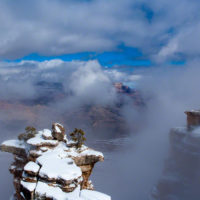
(134, 160)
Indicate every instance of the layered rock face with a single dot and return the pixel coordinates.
(181, 176)
(48, 166)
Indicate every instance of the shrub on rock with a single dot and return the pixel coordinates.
(30, 133)
(78, 137)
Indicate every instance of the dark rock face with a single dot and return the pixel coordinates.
(181, 175)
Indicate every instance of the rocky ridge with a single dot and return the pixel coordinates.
(49, 166)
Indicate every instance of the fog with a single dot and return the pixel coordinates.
(81, 93)
(134, 161)
(139, 163)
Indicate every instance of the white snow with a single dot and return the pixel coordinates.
(46, 133)
(29, 186)
(54, 167)
(57, 129)
(43, 149)
(31, 166)
(14, 143)
(194, 111)
(58, 124)
(36, 152)
(73, 152)
(65, 138)
(39, 141)
(180, 129)
(21, 195)
(71, 142)
(93, 195)
(90, 152)
(56, 193)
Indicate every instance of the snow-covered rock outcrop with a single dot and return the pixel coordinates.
(181, 174)
(48, 166)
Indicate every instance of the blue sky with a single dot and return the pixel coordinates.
(125, 56)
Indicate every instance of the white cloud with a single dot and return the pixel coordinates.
(60, 27)
(87, 82)
(90, 84)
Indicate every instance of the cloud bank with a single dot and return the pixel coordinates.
(160, 29)
(87, 81)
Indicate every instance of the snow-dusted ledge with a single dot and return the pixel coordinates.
(48, 166)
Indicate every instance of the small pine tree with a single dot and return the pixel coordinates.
(78, 136)
(30, 130)
(29, 133)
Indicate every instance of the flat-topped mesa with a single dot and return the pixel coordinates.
(48, 166)
(193, 118)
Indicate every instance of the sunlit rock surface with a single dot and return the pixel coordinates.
(48, 166)
(181, 175)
